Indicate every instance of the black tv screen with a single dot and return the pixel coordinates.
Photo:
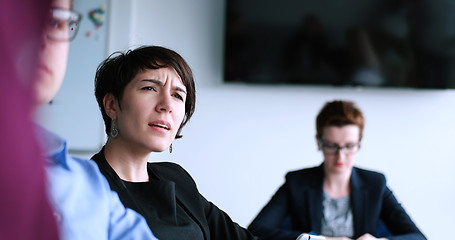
(381, 43)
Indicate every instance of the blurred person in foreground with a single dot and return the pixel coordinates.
(84, 205)
(336, 199)
(25, 212)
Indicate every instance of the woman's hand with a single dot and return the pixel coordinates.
(368, 236)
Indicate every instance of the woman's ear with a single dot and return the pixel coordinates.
(110, 105)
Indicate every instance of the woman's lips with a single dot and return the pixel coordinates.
(160, 126)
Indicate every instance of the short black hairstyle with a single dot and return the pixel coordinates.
(114, 73)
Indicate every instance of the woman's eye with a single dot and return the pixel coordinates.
(178, 96)
(56, 24)
(351, 146)
(52, 23)
(148, 88)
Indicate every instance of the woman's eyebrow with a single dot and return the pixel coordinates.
(155, 81)
(179, 89)
(158, 82)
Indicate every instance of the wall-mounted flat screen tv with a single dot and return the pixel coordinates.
(380, 43)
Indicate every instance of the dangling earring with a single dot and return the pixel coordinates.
(170, 148)
(114, 130)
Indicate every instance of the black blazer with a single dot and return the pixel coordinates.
(214, 223)
(297, 207)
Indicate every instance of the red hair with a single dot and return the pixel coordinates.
(339, 113)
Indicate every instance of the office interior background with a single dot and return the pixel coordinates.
(243, 138)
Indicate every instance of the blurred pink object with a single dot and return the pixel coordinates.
(25, 212)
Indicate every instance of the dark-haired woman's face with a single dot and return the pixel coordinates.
(152, 109)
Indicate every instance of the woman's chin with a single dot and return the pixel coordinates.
(159, 148)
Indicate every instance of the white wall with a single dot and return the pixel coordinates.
(243, 139)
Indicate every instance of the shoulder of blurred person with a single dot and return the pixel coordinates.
(308, 176)
(313, 176)
(368, 177)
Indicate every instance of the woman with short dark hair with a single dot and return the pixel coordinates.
(146, 96)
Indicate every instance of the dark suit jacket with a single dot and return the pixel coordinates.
(214, 223)
(297, 207)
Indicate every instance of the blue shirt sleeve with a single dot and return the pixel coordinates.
(84, 205)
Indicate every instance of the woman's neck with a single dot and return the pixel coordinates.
(337, 185)
(129, 164)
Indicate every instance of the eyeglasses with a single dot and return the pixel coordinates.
(333, 148)
(63, 24)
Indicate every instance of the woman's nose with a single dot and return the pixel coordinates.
(164, 104)
(340, 153)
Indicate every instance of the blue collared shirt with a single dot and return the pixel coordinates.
(85, 206)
